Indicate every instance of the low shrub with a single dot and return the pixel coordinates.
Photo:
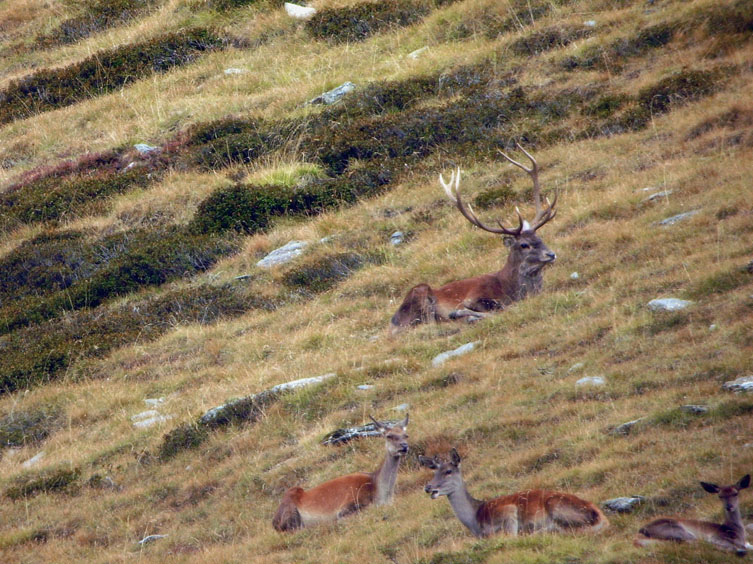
(322, 273)
(104, 72)
(58, 480)
(20, 428)
(547, 39)
(677, 89)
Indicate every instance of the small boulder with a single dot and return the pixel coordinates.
(299, 12)
(397, 238)
(441, 358)
(742, 384)
(417, 53)
(150, 538)
(668, 304)
(145, 149)
(333, 95)
(591, 381)
(695, 409)
(679, 217)
(625, 428)
(662, 194)
(282, 255)
(33, 461)
(623, 504)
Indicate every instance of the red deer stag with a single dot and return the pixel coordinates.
(472, 298)
(730, 535)
(347, 494)
(530, 511)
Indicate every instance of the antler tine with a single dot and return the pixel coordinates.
(542, 215)
(451, 189)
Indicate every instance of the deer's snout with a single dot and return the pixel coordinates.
(551, 256)
(403, 448)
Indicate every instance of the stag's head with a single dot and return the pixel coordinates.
(526, 247)
(447, 477)
(396, 437)
(728, 494)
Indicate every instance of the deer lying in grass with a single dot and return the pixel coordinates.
(347, 494)
(530, 511)
(472, 298)
(730, 535)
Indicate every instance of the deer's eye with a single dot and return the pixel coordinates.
(524, 245)
(447, 472)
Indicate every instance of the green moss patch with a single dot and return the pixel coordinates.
(102, 73)
(53, 481)
(96, 16)
(547, 39)
(20, 428)
(322, 273)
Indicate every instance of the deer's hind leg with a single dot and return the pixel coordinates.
(419, 306)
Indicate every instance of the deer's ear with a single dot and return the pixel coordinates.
(428, 462)
(455, 457)
(377, 424)
(744, 482)
(404, 424)
(508, 241)
(711, 488)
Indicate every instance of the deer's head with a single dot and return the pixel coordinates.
(728, 494)
(395, 437)
(447, 477)
(526, 247)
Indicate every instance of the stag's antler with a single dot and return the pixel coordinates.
(451, 188)
(542, 215)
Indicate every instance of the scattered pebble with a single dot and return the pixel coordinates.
(625, 428)
(623, 504)
(284, 254)
(299, 12)
(397, 238)
(679, 217)
(696, 409)
(33, 460)
(662, 194)
(365, 387)
(441, 358)
(333, 95)
(668, 304)
(402, 407)
(591, 381)
(574, 276)
(575, 367)
(234, 71)
(150, 538)
(415, 54)
(145, 149)
(590, 23)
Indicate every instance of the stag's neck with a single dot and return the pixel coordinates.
(466, 509)
(518, 280)
(385, 478)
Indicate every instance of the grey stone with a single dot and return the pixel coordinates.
(742, 384)
(696, 409)
(299, 12)
(151, 421)
(590, 23)
(574, 276)
(33, 461)
(679, 217)
(150, 538)
(153, 402)
(284, 254)
(662, 194)
(397, 238)
(575, 367)
(341, 436)
(591, 381)
(441, 358)
(623, 504)
(333, 95)
(233, 70)
(417, 53)
(402, 407)
(668, 304)
(365, 387)
(625, 428)
(145, 149)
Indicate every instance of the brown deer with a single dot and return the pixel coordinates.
(730, 535)
(525, 512)
(347, 494)
(472, 298)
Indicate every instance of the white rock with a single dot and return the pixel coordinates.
(662, 194)
(668, 304)
(742, 384)
(397, 238)
(333, 95)
(590, 23)
(415, 54)
(574, 276)
(441, 358)
(402, 407)
(153, 402)
(623, 504)
(145, 423)
(302, 382)
(33, 460)
(145, 149)
(679, 217)
(365, 387)
(299, 12)
(713, 327)
(151, 538)
(575, 367)
(695, 409)
(625, 428)
(591, 381)
(233, 70)
(282, 255)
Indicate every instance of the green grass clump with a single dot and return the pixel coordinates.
(729, 18)
(720, 283)
(357, 22)
(51, 200)
(43, 352)
(547, 39)
(323, 273)
(20, 428)
(59, 480)
(104, 72)
(97, 15)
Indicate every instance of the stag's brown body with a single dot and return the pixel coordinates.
(472, 298)
(342, 496)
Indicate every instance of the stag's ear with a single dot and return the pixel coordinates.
(711, 488)
(455, 457)
(428, 462)
(508, 241)
(744, 482)
(404, 424)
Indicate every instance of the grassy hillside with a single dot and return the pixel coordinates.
(129, 275)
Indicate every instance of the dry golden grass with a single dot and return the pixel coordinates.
(515, 412)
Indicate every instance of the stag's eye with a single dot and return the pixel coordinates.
(447, 472)
(524, 245)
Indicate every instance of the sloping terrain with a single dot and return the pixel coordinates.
(154, 151)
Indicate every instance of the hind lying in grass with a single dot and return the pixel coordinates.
(342, 496)
(526, 512)
(730, 535)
